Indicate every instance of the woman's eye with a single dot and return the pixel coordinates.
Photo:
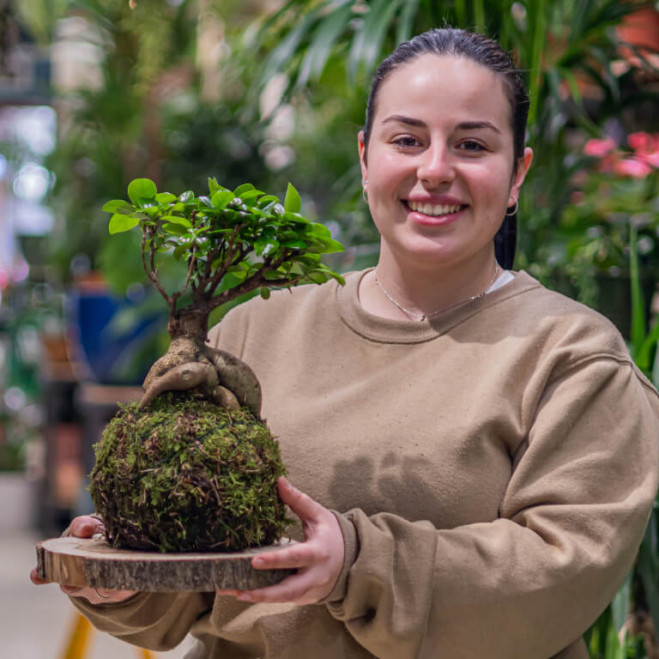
(406, 141)
(471, 145)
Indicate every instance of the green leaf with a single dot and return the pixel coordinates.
(232, 279)
(265, 247)
(120, 223)
(320, 231)
(295, 244)
(142, 189)
(186, 196)
(367, 42)
(292, 201)
(406, 20)
(265, 292)
(206, 201)
(250, 195)
(323, 40)
(330, 246)
(221, 198)
(620, 605)
(118, 206)
(175, 229)
(183, 221)
(213, 186)
(288, 45)
(165, 198)
(241, 189)
(267, 199)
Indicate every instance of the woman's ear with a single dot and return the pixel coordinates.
(362, 153)
(523, 165)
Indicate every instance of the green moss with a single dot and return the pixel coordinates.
(187, 475)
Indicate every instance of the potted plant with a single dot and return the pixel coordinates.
(192, 466)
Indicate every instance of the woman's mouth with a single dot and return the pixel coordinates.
(433, 209)
(438, 211)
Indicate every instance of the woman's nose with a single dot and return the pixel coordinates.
(435, 166)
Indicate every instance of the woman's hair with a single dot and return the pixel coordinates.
(488, 53)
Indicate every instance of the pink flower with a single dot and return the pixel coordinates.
(652, 159)
(643, 142)
(632, 167)
(599, 148)
(646, 147)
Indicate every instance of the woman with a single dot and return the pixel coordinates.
(489, 447)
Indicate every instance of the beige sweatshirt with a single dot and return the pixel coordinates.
(493, 470)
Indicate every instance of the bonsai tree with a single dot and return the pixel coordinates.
(192, 466)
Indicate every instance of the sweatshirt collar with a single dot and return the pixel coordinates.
(384, 330)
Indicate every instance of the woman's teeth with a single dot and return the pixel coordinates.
(432, 209)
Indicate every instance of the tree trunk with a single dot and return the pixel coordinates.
(190, 323)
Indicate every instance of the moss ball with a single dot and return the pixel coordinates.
(186, 475)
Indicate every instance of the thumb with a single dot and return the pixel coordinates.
(301, 504)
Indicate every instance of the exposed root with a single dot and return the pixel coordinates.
(217, 375)
(239, 378)
(182, 377)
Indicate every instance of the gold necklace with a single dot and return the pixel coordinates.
(415, 315)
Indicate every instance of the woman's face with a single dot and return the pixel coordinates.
(440, 160)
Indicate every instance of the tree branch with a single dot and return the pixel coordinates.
(191, 268)
(255, 281)
(228, 260)
(150, 267)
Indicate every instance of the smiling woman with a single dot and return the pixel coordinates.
(473, 458)
(441, 167)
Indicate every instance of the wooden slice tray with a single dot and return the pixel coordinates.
(92, 562)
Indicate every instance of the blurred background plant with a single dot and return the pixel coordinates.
(94, 93)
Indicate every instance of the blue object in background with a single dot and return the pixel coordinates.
(112, 356)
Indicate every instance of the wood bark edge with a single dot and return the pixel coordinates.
(92, 562)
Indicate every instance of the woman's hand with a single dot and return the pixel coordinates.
(85, 527)
(318, 560)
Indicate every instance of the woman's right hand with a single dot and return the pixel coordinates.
(86, 526)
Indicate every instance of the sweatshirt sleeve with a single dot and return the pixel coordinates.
(154, 621)
(531, 582)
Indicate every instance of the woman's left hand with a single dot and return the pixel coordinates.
(318, 559)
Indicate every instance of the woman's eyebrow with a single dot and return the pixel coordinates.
(475, 125)
(401, 118)
(464, 125)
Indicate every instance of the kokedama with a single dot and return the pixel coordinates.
(192, 466)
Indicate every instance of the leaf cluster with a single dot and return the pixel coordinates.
(232, 241)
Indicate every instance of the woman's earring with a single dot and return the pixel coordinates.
(512, 211)
(364, 192)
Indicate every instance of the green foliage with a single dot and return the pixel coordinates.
(639, 595)
(644, 348)
(232, 242)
